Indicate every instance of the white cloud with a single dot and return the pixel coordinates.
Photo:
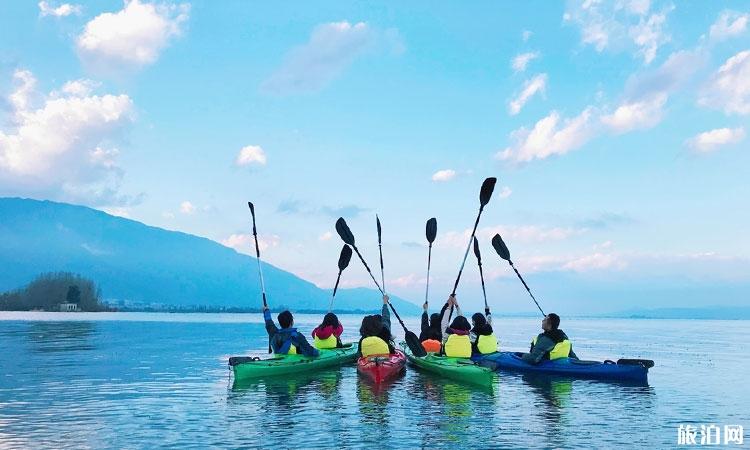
(133, 36)
(59, 145)
(523, 233)
(505, 192)
(648, 35)
(595, 261)
(444, 175)
(636, 115)
(66, 9)
(709, 141)
(526, 35)
(551, 135)
(638, 7)
(187, 208)
(729, 88)
(251, 154)
(408, 281)
(332, 47)
(729, 24)
(530, 88)
(79, 88)
(118, 211)
(325, 236)
(520, 62)
(245, 243)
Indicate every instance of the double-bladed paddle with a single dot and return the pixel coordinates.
(344, 257)
(481, 275)
(411, 339)
(257, 258)
(430, 232)
(504, 253)
(380, 249)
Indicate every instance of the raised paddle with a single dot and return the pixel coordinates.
(257, 258)
(380, 249)
(481, 275)
(344, 257)
(504, 253)
(411, 339)
(430, 232)
(484, 197)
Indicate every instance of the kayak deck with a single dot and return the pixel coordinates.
(249, 367)
(635, 371)
(380, 368)
(459, 369)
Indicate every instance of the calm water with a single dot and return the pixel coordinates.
(132, 380)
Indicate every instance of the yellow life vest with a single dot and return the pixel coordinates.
(292, 350)
(373, 345)
(487, 344)
(329, 342)
(560, 350)
(458, 346)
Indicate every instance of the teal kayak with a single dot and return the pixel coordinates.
(459, 369)
(246, 367)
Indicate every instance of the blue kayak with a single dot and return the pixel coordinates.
(628, 370)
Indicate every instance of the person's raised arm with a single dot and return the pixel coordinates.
(425, 318)
(386, 313)
(443, 317)
(270, 326)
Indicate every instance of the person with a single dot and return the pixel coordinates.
(553, 343)
(456, 342)
(431, 336)
(286, 340)
(482, 337)
(328, 333)
(375, 332)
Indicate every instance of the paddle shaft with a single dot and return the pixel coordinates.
(481, 276)
(260, 269)
(526, 286)
(466, 254)
(335, 287)
(427, 288)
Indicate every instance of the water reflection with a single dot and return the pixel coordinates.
(51, 337)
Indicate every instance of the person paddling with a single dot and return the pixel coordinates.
(328, 333)
(286, 340)
(431, 335)
(456, 342)
(552, 344)
(375, 332)
(482, 337)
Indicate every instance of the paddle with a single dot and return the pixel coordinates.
(257, 258)
(430, 232)
(504, 253)
(380, 249)
(344, 257)
(481, 275)
(411, 339)
(484, 197)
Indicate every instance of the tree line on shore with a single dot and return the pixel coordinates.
(47, 291)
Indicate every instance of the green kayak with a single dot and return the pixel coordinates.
(460, 369)
(246, 367)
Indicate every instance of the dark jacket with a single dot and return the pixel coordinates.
(430, 332)
(483, 330)
(545, 342)
(282, 338)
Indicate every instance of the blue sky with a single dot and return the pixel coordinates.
(617, 131)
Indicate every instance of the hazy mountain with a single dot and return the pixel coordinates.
(137, 262)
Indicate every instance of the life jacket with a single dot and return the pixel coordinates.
(286, 347)
(560, 350)
(373, 345)
(329, 342)
(458, 346)
(487, 343)
(431, 345)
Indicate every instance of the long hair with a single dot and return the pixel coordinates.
(331, 320)
(460, 323)
(371, 326)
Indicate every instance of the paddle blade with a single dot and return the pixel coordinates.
(412, 341)
(476, 250)
(252, 208)
(344, 232)
(431, 230)
(500, 247)
(345, 257)
(377, 221)
(486, 192)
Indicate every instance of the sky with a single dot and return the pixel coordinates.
(617, 131)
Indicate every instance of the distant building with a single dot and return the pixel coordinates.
(68, 307)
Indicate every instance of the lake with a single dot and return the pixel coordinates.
(149, 380)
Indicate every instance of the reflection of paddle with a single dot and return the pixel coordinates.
(430, 232)
(344, 258)
(411, 339)
(260, 270)
(481, 275)
(504, 253)
(484, 196)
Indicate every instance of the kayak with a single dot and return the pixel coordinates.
(246, 367)
(459, 369)
(380, 368)
(628, 370)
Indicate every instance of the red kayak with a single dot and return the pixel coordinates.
(380, 368)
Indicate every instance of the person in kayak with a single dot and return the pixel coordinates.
(328, 333)
(431, 335)
(286, 340)
(482, 337)
(375, 333)
(456, 342)
(553, 343)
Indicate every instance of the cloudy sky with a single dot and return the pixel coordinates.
(617, 131)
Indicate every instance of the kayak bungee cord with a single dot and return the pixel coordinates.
(504, 253)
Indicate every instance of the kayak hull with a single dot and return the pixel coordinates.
(245, 369)
(381, 368)
(511, 361)
(458, 369)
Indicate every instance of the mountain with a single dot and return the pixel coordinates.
(139, 263)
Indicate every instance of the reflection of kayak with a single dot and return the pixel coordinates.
(246, 367)
(379, 368)
(460, 369)
(632, 370)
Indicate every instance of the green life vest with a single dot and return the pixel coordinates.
(329, 342)
(560, 350)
